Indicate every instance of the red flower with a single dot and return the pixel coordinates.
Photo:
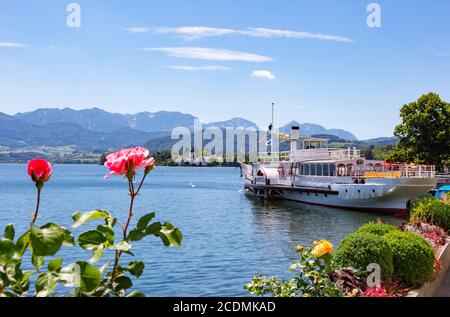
(376, 292)
(39, 170)
(128, 161)
(437, 266)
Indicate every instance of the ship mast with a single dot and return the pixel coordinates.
(271, 126)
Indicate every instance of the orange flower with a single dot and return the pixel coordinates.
(322, 247)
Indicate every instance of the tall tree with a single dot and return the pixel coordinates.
(424, 134)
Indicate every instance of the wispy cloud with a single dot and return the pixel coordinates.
(209, 54)
(272, 33)
(197, 32)
(137, 29)
(199, 68)
(443, 54)
(12, 45)
(263, 74)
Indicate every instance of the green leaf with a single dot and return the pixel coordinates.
(90, 276)
(10, 232)
(23, 242)
(144, 221)
(104, 267)
(170, 235)
(26, 275)
(136, 294)
(136, 268)
(55, 265)
(9, 294)
(108, 232)
(47, 240)
(7, 249)
(45, 284)
(69, 240)
(81, 275)
(97, 254)
(91, 240)
(136, 235)
(37, 261)
(111, 222)
(123, 283)
(154, 228)
(122, 246)
(81, 218)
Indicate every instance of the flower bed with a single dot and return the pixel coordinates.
(431, 288)
(378, 260)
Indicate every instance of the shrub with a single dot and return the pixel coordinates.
(379, 229)
(413, 257)
(433, 211)
(311, 276)
(360, 249)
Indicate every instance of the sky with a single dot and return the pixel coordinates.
(318, 61)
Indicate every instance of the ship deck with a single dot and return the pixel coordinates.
(301, 189)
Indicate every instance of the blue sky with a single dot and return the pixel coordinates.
(317, 60)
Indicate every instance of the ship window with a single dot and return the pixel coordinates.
(306, 169)
(319, 169)
(312, 170)
(332, 170)
(326, 170)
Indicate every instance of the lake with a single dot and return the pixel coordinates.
(228, 236)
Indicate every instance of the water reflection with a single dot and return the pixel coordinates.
(302, 224)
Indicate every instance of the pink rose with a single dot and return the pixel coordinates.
(128, 161)
(40, 170)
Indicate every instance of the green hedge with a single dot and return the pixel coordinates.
(413, 257)
(433, 211)
(379, 229)
(359, 249)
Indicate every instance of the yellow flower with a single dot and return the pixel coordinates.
(299, 248)
(322, 247)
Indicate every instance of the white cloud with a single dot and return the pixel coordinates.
(137, 29)
(263, 74)
(209, 54)
(11, 45)
(199, 68)
(196, 32)
(272, 33)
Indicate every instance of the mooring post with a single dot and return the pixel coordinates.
(408, 210)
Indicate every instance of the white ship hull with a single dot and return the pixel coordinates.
(389, 196)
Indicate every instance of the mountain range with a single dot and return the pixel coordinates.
(98, 130)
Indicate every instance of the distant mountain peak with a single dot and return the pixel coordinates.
(316, 129)
(95, 128)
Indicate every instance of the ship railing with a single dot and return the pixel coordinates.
(400, 171)
(344, 154)
(325, 154)
(265, 157)
(311, 155)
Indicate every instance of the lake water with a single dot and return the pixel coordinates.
(228, 237)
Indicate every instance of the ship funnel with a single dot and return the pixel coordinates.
(295, 135)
